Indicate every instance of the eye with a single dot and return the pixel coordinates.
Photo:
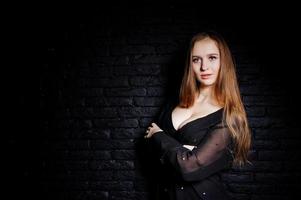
(196, 60)
(212, 58)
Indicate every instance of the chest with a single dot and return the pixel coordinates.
(182, 116)
(193, 126)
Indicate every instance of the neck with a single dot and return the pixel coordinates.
(205, 95)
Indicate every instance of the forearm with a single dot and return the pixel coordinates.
(189, 165)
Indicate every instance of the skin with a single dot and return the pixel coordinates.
(205, 60)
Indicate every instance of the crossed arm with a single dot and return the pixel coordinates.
(210, 156)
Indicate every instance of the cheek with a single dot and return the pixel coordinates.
(216, 67)
(195, 68)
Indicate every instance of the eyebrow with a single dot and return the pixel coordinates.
(210, 54)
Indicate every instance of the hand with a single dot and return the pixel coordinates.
(151, 130)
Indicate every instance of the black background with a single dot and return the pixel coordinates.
(266, 34)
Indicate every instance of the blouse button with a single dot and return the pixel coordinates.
(182, 188)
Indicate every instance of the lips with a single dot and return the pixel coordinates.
(205, 76)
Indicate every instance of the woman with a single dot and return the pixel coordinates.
(206, 130)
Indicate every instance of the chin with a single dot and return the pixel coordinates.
(206, 82)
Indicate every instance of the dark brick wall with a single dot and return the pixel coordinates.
(107, 71)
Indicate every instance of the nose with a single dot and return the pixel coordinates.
(204, 66)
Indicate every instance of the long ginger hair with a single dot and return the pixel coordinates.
(225, 92)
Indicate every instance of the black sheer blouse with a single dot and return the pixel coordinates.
(193, 173)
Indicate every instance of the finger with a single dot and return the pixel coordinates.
(147, 133)
(147, 136)
(154, 125)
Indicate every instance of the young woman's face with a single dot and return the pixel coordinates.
(205, 61)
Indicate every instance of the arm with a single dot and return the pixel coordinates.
(211, 156)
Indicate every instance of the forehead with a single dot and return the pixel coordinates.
(205, 46)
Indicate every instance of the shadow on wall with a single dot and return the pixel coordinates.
(148, 162)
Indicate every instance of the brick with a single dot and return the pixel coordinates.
(145, 122)
(122, 195)
(276, 111)
(148, 101)
(105, 60)
(238, 196)
(271, 133)
(264, 122)
(104, 112)
(133, 39)
(148, 69)
(137, 69)
(104, 175)
(292, 166)
(59, 165)
(91, 92)
(166, 49)
(237, 178)
(76, 185)
(116, 123)
(112, 144)
(160, 40)
(127, 133)
(290, 144)
(261, 89)
(124, 175)
(105, 82)
(87, 155)
(111, 185)
(151, 59)
(95, 195)
(252, 188)
(123, 154)
(122, 60)
(260, 166)
(132, 49)
(147, 81)
(252, 100)
(265, 144)
(255, 111)
(248, 79)
(272, 177)
(95, 134)
(272, 155)
(71, 144)
(137, 111)
(246, 69)
(101, 155)
(109, 101)
(112, 165)
(125, 92)
(155, 91)
(268, 197)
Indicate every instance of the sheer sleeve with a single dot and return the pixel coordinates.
(210, 156)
